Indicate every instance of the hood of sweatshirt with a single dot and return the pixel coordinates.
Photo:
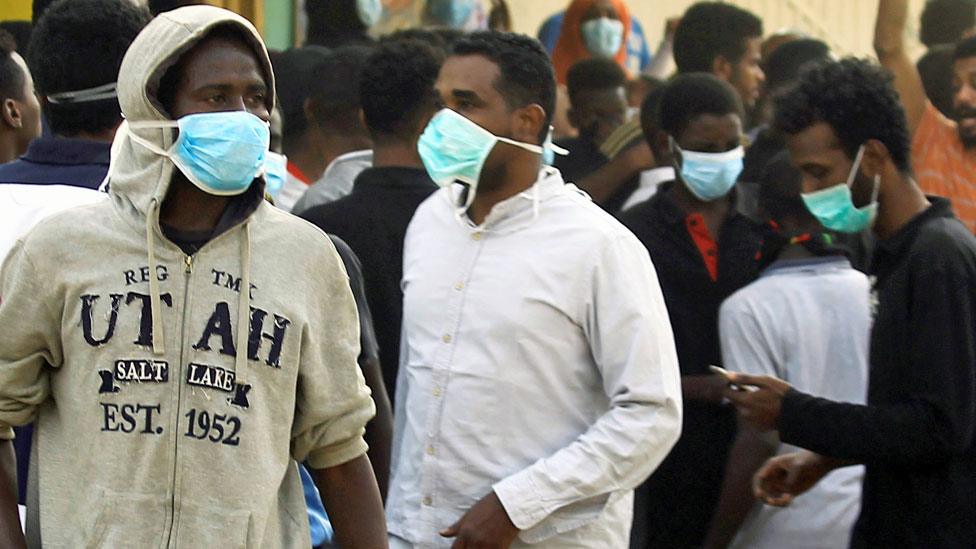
(137, 175)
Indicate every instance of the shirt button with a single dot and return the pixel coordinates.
(476, 236)
(430, 450)
(446, 338)
(437, 391)
(427, 500)
(459, 286)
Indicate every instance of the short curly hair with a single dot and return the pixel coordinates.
(11, 75)
(397, 86)
(527, 75)
(856, 98)
(79, 44)
(945, 21)
(710, 29)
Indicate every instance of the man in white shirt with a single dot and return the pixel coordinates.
(539, 378)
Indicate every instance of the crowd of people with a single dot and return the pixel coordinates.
(453, 286)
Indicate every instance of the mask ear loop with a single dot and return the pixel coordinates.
(855, 167)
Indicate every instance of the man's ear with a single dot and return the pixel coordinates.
(529, 121)
(11, 114)
(876, 156)
(722, 68)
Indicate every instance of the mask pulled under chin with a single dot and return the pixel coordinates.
(220, 152)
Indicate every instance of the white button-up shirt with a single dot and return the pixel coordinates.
(538, 362)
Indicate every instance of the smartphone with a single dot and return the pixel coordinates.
(728, 377)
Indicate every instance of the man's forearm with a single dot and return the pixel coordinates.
(379, 431)
(353, 503)
(11, 534)
(748, 454)
(889, 31)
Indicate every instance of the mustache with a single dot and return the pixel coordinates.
(965, 112)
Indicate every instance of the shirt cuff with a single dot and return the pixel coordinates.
(521, 500)
(787, 424)
(6, 432)
(337, 454)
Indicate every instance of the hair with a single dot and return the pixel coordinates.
(334, 98)
(935, 69)
(594, 74)
(945, 21)
(294, 75)
(856, 99)
(784, 65)
(689, 96)
(79, 44)
(396, 87)
(780, 187)
(170, 81)
(159, 6)
(21, 33)
(11, 74)
(427, 36)
(964, 49)
(711, 29)
(334, 23)
(650, 114)
(527, 75)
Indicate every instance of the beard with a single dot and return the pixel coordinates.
(967, 134)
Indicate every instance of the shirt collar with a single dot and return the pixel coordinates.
(897, 244)
(393, 177)
(665, 206)
(67, 151)
(793, 265)
(549, 183)
(656, 176)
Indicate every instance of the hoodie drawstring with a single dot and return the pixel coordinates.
(156, 310)
(244, 308)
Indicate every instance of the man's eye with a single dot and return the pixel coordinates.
(215, 99)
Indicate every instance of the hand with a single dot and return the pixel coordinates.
(638, 157)
(671, 26)
(484, 526)
(704, 388)
(784, 477)
(761, 402)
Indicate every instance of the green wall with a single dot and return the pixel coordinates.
(279, 17)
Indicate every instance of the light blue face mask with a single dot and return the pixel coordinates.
(219, 152)
(369, 11)
(450, 13)
(709, 176)
(603, 37)
(834, 206)
(275, 173)
(454, 149)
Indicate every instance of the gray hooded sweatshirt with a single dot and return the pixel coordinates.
(152, 430)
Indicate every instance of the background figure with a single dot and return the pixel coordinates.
(806, 319)
(398, 96)
(947, 22)
(723, 40)
(334, 112)
(658, 141)
(335, 23)
(592, 28)
(20, 113)
(935, 68)
(302, 142)
(638, 54)
(703, 250)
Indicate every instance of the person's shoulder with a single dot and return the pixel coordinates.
(77, 214)
(289, 229)
(325, 215)
(944, 241)
(640, 215)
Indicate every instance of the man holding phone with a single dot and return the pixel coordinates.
(915, 435)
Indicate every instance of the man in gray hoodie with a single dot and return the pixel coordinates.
(201, 341)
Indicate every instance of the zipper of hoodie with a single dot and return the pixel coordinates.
(187, 272)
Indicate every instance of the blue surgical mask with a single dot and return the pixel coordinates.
(450, 13)
(219, 152)
(709, 176)
(275, 173)
(603, 37)
(369, 11)
(834, 207)
(454, 149)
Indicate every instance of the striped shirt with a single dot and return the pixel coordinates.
(944, 166)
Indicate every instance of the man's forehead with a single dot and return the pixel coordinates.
(964, 66)
(470, 72)
(818, 139)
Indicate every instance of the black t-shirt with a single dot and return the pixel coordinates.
(917, 433)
